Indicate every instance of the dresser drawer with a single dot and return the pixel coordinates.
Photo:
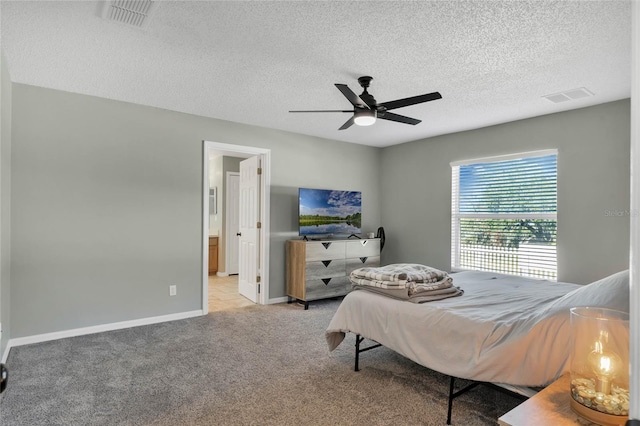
(328, 287)
(325, 269)
(362, 262)
(363, 248)
(326, 250)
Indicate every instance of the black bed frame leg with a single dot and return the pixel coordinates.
(358, 341)
(450, 407)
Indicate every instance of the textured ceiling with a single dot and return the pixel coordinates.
(251, 62)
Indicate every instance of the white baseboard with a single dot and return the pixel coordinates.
(38, 338)
(222, 274)
(277, 300)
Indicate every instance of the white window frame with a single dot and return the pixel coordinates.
(455, 201)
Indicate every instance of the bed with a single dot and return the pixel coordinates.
(505, 330)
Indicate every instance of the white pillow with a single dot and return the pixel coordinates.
(610, 292)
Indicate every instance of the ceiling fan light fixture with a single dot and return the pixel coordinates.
(365, 108)
(365, 117)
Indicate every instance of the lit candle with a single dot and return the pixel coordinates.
(604, 365)
(602, 377)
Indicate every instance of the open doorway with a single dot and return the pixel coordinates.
(220, 240)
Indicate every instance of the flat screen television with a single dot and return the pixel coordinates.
(327, 212)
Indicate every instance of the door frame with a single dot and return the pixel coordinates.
(265, 197)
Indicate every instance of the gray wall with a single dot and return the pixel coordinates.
(107, 205)
(593, 184)
(5, 202)
(106, 200)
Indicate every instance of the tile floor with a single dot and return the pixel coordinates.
(223, 294)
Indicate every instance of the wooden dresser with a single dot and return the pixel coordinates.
(213, 255)
(320, 269)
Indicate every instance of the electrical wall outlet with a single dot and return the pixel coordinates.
(172, 290)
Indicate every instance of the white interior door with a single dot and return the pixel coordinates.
(249, 225)
(233, 223)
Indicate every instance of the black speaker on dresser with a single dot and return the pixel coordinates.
(4, 377)
(381, 235)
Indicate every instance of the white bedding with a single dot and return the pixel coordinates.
(504, 329)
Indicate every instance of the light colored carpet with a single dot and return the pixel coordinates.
(261, 365)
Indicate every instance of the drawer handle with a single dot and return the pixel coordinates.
(326, 245)
(326, 263)
(363, 259)
(326, 281)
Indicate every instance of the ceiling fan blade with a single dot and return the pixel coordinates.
(327, 110)
(399, 118)
(352, 97)
(411, 101)
(347, 124)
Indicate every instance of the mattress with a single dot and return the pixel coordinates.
(503, 329)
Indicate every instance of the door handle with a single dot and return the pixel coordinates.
(239, 234)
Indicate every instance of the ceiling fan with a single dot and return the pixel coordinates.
(366, 109)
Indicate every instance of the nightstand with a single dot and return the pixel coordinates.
(550, 406)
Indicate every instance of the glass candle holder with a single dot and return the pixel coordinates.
(600, 365)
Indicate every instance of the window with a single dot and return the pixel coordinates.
(504, 213)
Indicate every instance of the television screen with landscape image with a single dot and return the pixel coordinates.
(329, 212)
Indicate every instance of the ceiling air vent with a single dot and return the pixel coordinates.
(569, 95)
(130, 12)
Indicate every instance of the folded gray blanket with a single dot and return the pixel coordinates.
(402, 293)
(413, 282)
(415, 288)
(399, 275)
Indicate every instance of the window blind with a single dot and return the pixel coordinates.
(504, 215)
